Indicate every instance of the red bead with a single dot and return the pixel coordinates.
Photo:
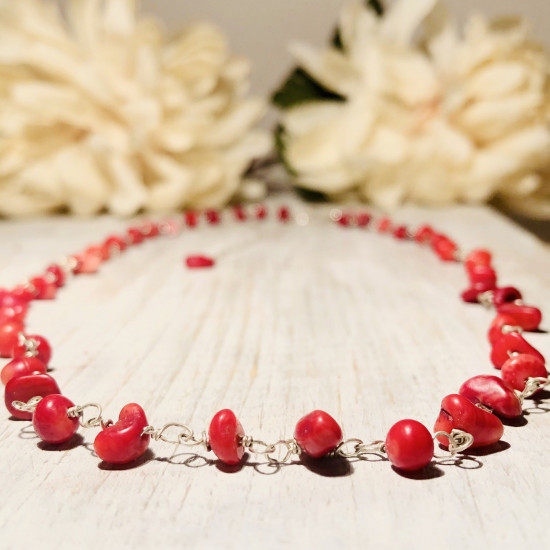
(135, 236)
(519, 368)
(150, 230)
(424, 234)
(50, 420)
(409, 445)
(194, 262)
(9, 336)
(87, 263)
(58, 274)
(24, 293)
(43, 288)
(400, 232)
(115, 244)
(22, 366)
(124, 441)
(444, 248)
(495, 330)
(190, 218)
(14, 313)
(240, 214)
(34, 345)
(225, 436)
(471, 295)
(510, 343)
(383, 225)
(212, 216)
(363, 219)
(483, 275)
(458, 412)
(260, 212)
(527, 317)
(494, 393)
(317, 434)
(505, 294)
(344, 220)
(283, 214)
(478, 256)
(22, 388)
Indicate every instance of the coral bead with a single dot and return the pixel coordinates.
(495, 330)
(9, 336)
(471, 295)
(424, 234)
(519, 368)
(58, 274)
(22, 388)
(23, 292)
(14, 313)
(458, 412)
(505, 294)
(124, 441)
(190, 218)
(483, 275)
(476, 257)
(444, 247)
(260, 212)
(114, 244)
(87, 263)
(22, 366)
(527, 317)
(494, 393)
(195, 262)
(283, 214)
(212, 216)
(511, 343)
(50, 420)
(225, 434)
(363, 219)
(317, 434)
(409, 445)
(134, 235)
(44, 289)
(35, 346)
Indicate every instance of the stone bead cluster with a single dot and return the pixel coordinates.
(475, 411)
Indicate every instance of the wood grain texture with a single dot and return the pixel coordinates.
(291, 319)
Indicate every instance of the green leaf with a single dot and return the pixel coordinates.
(279, 135)
(298, 88)
(377, 6)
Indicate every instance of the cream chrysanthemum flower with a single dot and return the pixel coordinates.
(98, 109)
(424, 114)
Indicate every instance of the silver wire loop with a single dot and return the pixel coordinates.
(95, 421)
(184, 435)
(486, 299)
(31, 345)
(506, 329)
(533, 385)
(279, 452)
(28, 406)
(359, 448)
(459, 441)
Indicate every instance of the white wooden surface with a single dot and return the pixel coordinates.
(291, 319)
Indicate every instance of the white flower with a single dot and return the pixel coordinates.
(99, 109)
(428, 115)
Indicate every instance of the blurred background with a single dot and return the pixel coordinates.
(262, 30)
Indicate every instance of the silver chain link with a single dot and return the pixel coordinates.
(279, 452)
(459, 441)
(184, 435)
(95, 421)
(28, 406)
(359, 448)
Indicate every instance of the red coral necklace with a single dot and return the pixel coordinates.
(470, 418)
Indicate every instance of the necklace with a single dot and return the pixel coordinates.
(467, 419)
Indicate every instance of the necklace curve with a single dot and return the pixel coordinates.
(467, 419)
